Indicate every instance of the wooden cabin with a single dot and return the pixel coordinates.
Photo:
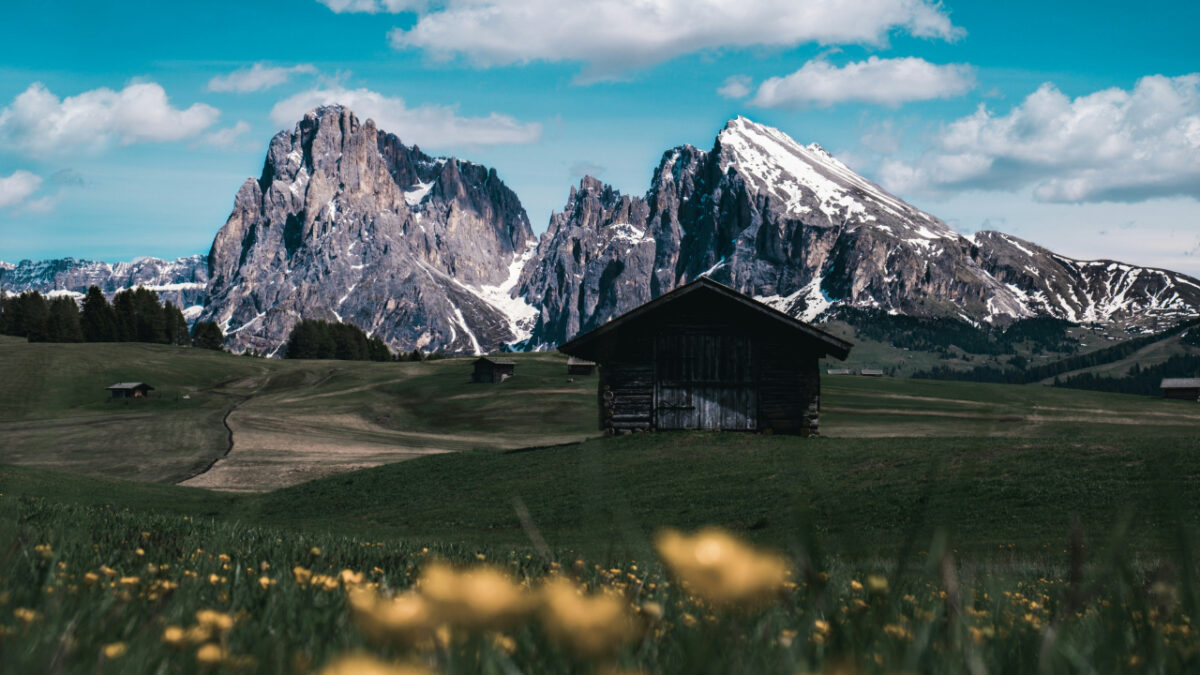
(707, 357)
(130, 390)
(871, 372)
(1184, 388)
(493, 370)
(580, 367)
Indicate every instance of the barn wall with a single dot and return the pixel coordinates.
(789, 390)
(1182, 394)
(626, 393)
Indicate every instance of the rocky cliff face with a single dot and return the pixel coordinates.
(800, 230)
(347, 223)
(183, 281)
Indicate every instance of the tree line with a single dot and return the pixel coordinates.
(1139, 380)
(940, 334)
(135, 315)
(316, 339)
(1019, 373)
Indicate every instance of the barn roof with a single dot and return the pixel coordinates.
(130, 385)
(1180, 383)
(576, 361)
(585, 345)
(496, 361)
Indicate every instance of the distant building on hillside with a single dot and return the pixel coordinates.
(580, 367)
(493, 370)
(130, 390)
(838, 371)
(1185, 388)
(871, 372)
(707, 357)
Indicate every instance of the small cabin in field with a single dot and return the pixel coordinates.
(1184, 388)
(707, 357)
(130, 390)
(871, 372)
(580, 367)
(493, 370)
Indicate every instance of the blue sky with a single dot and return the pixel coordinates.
(126, 130)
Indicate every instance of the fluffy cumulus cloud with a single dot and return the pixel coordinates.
(373, 6)
(257, 77)
(613, 37)
(18, 187)
(228, 137)
(430, 125)
(736, 86)
(1112, 145)
(37, 122)
(880, 81)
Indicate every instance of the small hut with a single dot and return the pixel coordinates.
(707, 357)
(580, 367)
(493, 370)
(871, 372)
(1183, 388)
(130, 390)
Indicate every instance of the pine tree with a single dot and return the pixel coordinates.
(150, 322)
(98, 321)
(62, 321)
(207, 335)
(126, 315)
(33, 316)
(175, 325)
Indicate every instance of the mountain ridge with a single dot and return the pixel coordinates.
(347, 223)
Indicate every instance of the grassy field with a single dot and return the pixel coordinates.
(935, 527)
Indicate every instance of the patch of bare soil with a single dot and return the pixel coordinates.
(545, 390)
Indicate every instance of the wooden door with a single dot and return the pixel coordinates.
(705, 381)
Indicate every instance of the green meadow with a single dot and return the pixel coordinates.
(933, 527)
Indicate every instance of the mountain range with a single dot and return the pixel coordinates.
(348, 223)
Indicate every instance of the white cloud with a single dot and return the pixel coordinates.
(227, 137)
(430, 125)
(38, 123)
(1112, 145)
(18, 187)
(374, 6)
(257, 77)
(613, 37)
(882, 81)
(736, 86)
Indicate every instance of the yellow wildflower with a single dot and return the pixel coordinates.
(26, 615)
(210, 655)
(316, 552)
(174, 636)
(591, 626)
(877, 584)
(720, 568)
(404, 619)
(301, 575)
(478, 598)
(897, 631)
(266, 582)
(855, 585)
(114, 651)
(351, 578)
(211, 618)
(361, 664)
(91, 578)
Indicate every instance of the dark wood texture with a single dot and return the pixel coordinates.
(703, 360)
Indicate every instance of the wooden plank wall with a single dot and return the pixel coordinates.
(626, 392)
(789, 390)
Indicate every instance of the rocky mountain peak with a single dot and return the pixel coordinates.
(347, 223)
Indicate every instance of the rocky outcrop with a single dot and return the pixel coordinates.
(183, 281)
(797, 228)
(347, 223)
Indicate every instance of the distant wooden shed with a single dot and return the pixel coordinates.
(580, 367)
(493, 370)
(1184, 388)
(130, 390)
(707, 357)
(871, 372)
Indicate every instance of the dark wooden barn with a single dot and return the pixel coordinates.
(130, 390)
(577, 366)
(707, 357)
(1184, 388)
(493, 370)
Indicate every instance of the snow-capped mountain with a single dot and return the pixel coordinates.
(347, 223)
(795, 227)
(183, 281)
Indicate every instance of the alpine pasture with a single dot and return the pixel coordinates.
(934, 527)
